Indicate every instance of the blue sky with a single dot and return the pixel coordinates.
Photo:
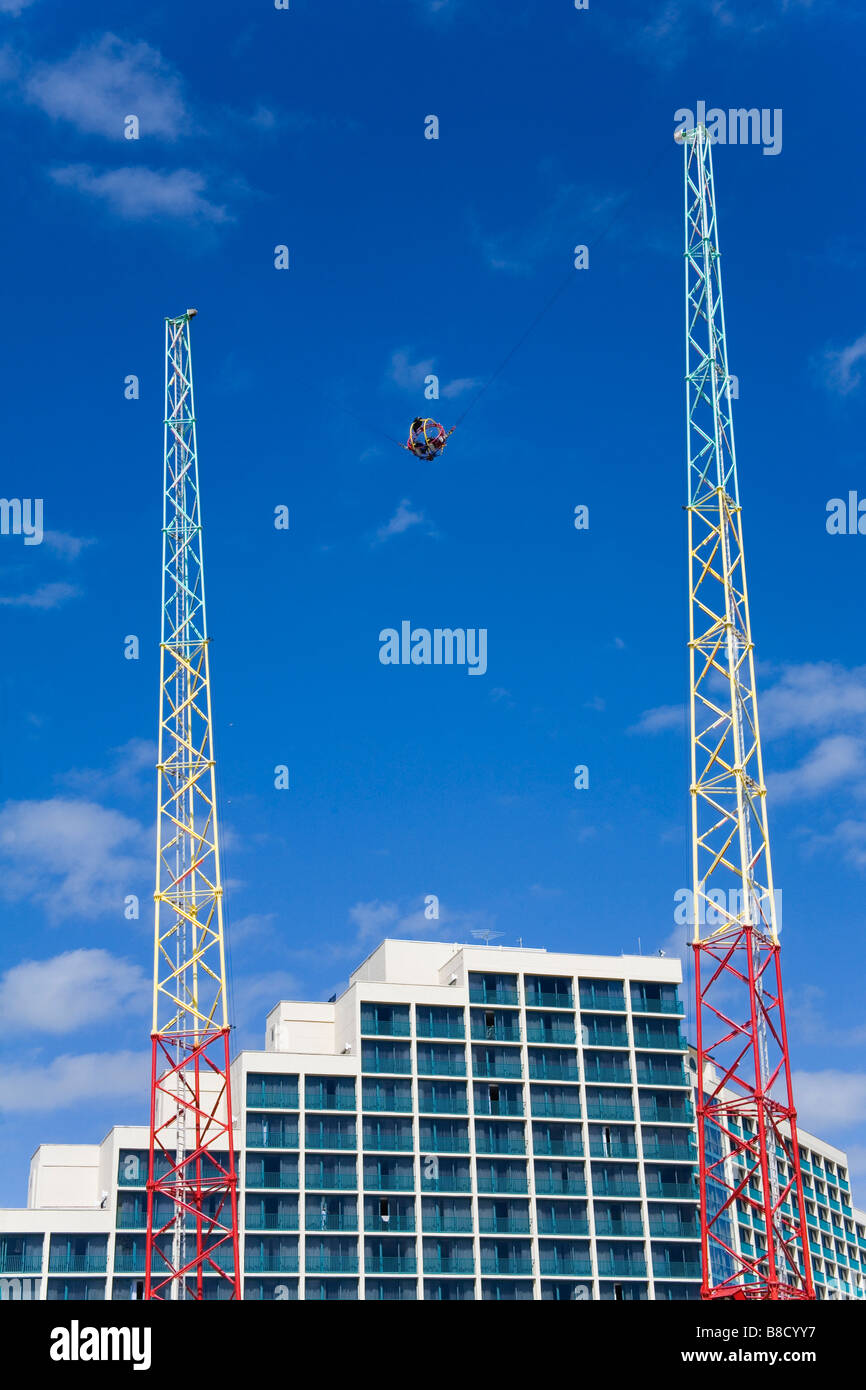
(410, 256)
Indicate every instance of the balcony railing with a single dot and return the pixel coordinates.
(270, 1139)
(645, 1036)
(498, 1264)
(444, 1144)
(331, 1182)
(498, 1067)
(559, 1148)
(404, 1223)
(390, 1264)
(676, 1269)
(398, 1065)
(642, 1005)
(548, 999)
(614, 1269)
(606, 1226)
(553, 1186)
(456, 1183)
(322, 1100)
(267, 1221)
(541, 1070)
(671, 1190)
(494, 1182)
(494, 1032)
(271, 1098)
(448, 1264)
(59, 1262)
(499, 994)
(563, 1226)
(331, 1264)
(441, 1066)
(666, 1148)
(260, 1178)
(615, 1187)
(661, 1225)
(602, 999)
(394, 1182)
(565, 1033)
(129, 1262)
(678, 1114)
(660, 1076)
(554, 1107)
(504, 1225)
(500, 1144)
(378, 1028)
(270, 1262)
(397, 1105)
(331, 1139)
(600, 1108)
(577, 1266)
(447, 1225)
(451, 1029)
(598, 1071)
(435, 1106)
(615, 1148)
(507, 1106)
(21, 1264)
(396, 1140)
(332, 1222)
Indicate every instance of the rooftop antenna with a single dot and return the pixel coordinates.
(485, 934)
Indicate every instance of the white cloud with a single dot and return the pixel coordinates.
(411, 376)
(833, 761)
(403, 520)
(67, 547)
(76, 1080)
(46, 596)
(828, 1101)
(138, 194)
(124, 774)
(654, 721)
(819, 696)
(70, 991)
(73, 857)
(101, 83)
(843, 368)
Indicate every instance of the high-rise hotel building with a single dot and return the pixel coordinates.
(463, 1122)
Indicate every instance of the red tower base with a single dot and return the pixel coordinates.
(192, 1211)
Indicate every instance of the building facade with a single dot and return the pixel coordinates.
(462, 1123)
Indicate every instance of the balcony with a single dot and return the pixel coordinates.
(270, 1262)
(382, 1061)
(285, 1179)
(607, 1000)
(563, 1226)
(613, 1148)
(432, 1065)
(492, 1225)
(400, 1103)
(390, 1264)
(606, 1071)
(507, 1067)
(388, 1140)
(607, 1226)
(504, 1029)
(493, 992)
(676, 1112)
(448, 1264)
(575, 1266)
(319, 1181)
(272, 1138)
(675, 1269)
(549, 999)
(552, 1184)
(384, 1028)
(332, 1221)
(608, 1107)
(656, 1187)
(129, 1261)
(21, 1264)
(542, 1068)
(603, 1186)
(668, 1149)
(71, 1262)
(262, 1096)
(389, 1182)
(645, 1035)
(560, 1107)
(508, 1103)
(451, 1225)
(502, 1182)
(432, 1024)
(331, 1138)
(565, 1146)
(271, 1221)
(648, 1075)
(453, 1182)
(439, 1142)
(565, 1033)
(660, 1224)
(506, 1264)
(498, 1140)
(321, 1099)
(628, 1268)
(605, 1032)
(642, 1003)
(318, 1263)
